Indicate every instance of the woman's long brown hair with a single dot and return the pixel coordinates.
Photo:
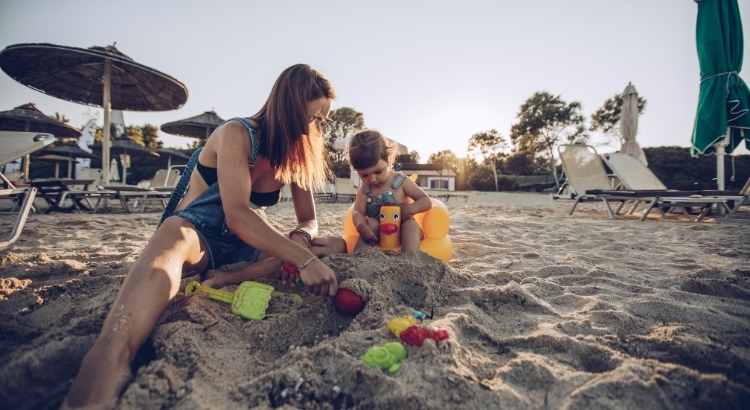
(295, 150)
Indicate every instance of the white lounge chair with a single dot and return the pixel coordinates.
(14, 145)
(633, 175)
(588, 181)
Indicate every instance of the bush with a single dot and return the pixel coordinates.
(678, 170)
(484, 180)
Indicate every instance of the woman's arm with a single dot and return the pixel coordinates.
(304, 208)
(243, 221)
(421, 200)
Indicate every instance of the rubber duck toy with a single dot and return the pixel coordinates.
(390, 227)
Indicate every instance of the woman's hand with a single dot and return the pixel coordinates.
(300, 238)
(319, 278)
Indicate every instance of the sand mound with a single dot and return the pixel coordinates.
(543, 311)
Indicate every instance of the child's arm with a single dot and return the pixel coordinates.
(359, 217)
(421, 200)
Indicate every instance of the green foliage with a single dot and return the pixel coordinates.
(546, 120)
(150, 135)
(342, 123)
(605, 119)
(678, 170)
(445, 158)
(519, 163)
(483, 179)
(487, 143)
(410, 158)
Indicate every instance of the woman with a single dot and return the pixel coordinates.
(243, 165)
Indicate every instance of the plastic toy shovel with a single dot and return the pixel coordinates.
(249, 301)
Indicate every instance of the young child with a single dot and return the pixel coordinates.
(371, 155)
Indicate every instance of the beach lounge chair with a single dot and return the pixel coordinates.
(633, 175)
(588, 181)
(14, 145)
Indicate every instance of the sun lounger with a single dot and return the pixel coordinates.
(636, 176)
(588, 181)
(14, 145)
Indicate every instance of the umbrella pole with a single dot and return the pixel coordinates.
(27, 159)
(720, 151)
(107, 105)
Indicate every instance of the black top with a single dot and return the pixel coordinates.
(258, 198)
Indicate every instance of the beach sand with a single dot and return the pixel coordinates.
(543, 311)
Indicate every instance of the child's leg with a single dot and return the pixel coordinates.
(328, 246)
(264, 267)
(374, 226)
(411, 236)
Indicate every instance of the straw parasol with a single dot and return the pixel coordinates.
(198, 126)
(128, 148)
(629, 124)
(99, 76)
(170, 153)
(722, 118)
(27, 117)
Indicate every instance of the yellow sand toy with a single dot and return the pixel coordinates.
(249, 301)
(390, 227)
(435, 224)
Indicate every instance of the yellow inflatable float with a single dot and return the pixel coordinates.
(435, 224)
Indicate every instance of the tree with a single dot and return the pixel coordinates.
(151, 136)
(135, 134)
(342, 123)
(520, 163)
(410, 158)
(488, 143)
(606, 118)
(444, 159)
(544, 121)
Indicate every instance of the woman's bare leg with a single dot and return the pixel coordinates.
(411, 236)
(152, 282)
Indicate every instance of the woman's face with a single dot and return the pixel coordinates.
(317, 114)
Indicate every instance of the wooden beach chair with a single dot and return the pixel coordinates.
(14, 145)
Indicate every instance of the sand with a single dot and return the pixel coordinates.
(543, 311)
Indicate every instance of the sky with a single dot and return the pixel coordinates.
(428, 74)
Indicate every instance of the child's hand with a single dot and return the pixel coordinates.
(366, 234)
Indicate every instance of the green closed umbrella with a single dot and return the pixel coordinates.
(724, 99)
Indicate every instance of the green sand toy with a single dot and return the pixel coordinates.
(387, 357)
(249, 301)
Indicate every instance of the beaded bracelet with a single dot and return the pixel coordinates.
(306, 263)
(304, 233)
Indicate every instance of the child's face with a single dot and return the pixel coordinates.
(376, 175)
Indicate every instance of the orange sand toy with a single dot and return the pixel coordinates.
(435, 224)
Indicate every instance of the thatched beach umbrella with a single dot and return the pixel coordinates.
(126, 148)
(99, 76)
(63, 153)
(722, 119)
(171, 153)
(27, 117)
(198, 126)
(629, 124)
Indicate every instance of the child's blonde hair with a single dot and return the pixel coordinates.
(368, 147)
